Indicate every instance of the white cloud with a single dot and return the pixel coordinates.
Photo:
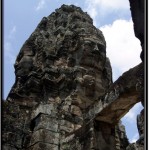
(130, 122)
(123, 48)
(132, 114)
(12, 32)
(115, 4)
(8, 53)
(91, 9)
(8, 46)
(105, 7)
(134, 138)
(40, 5)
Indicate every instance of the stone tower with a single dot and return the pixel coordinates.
(63, 89)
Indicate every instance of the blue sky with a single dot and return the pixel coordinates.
(113, 18)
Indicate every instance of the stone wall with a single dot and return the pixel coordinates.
(138, 12)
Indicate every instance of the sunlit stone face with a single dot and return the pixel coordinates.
(93, 55)
(91, 64)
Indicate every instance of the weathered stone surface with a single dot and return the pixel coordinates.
(140, 126)
(43, 146)
(47, 109)
(138, 12)
(64, 91)
(45, 136)
(43, 121)
(61, 69)
(121, 138)
(138, 17)
(126, 91)
(131, 147)
(135, 146)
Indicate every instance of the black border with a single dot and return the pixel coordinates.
(146, 75)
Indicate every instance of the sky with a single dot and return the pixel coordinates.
(113, 18)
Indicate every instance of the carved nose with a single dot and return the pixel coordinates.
(95, 50)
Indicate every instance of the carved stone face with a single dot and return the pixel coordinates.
(24, 66)
(92, 55)
(92, 61)
(70, 51)
(27, 51)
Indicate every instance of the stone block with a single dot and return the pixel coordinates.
(43, 146)
(49, 109)
(45, 136)
(46, 122)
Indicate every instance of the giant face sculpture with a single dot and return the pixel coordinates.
(93, 54)
(77, 54)
(90, 75)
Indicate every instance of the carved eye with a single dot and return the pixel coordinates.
(101, 47)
